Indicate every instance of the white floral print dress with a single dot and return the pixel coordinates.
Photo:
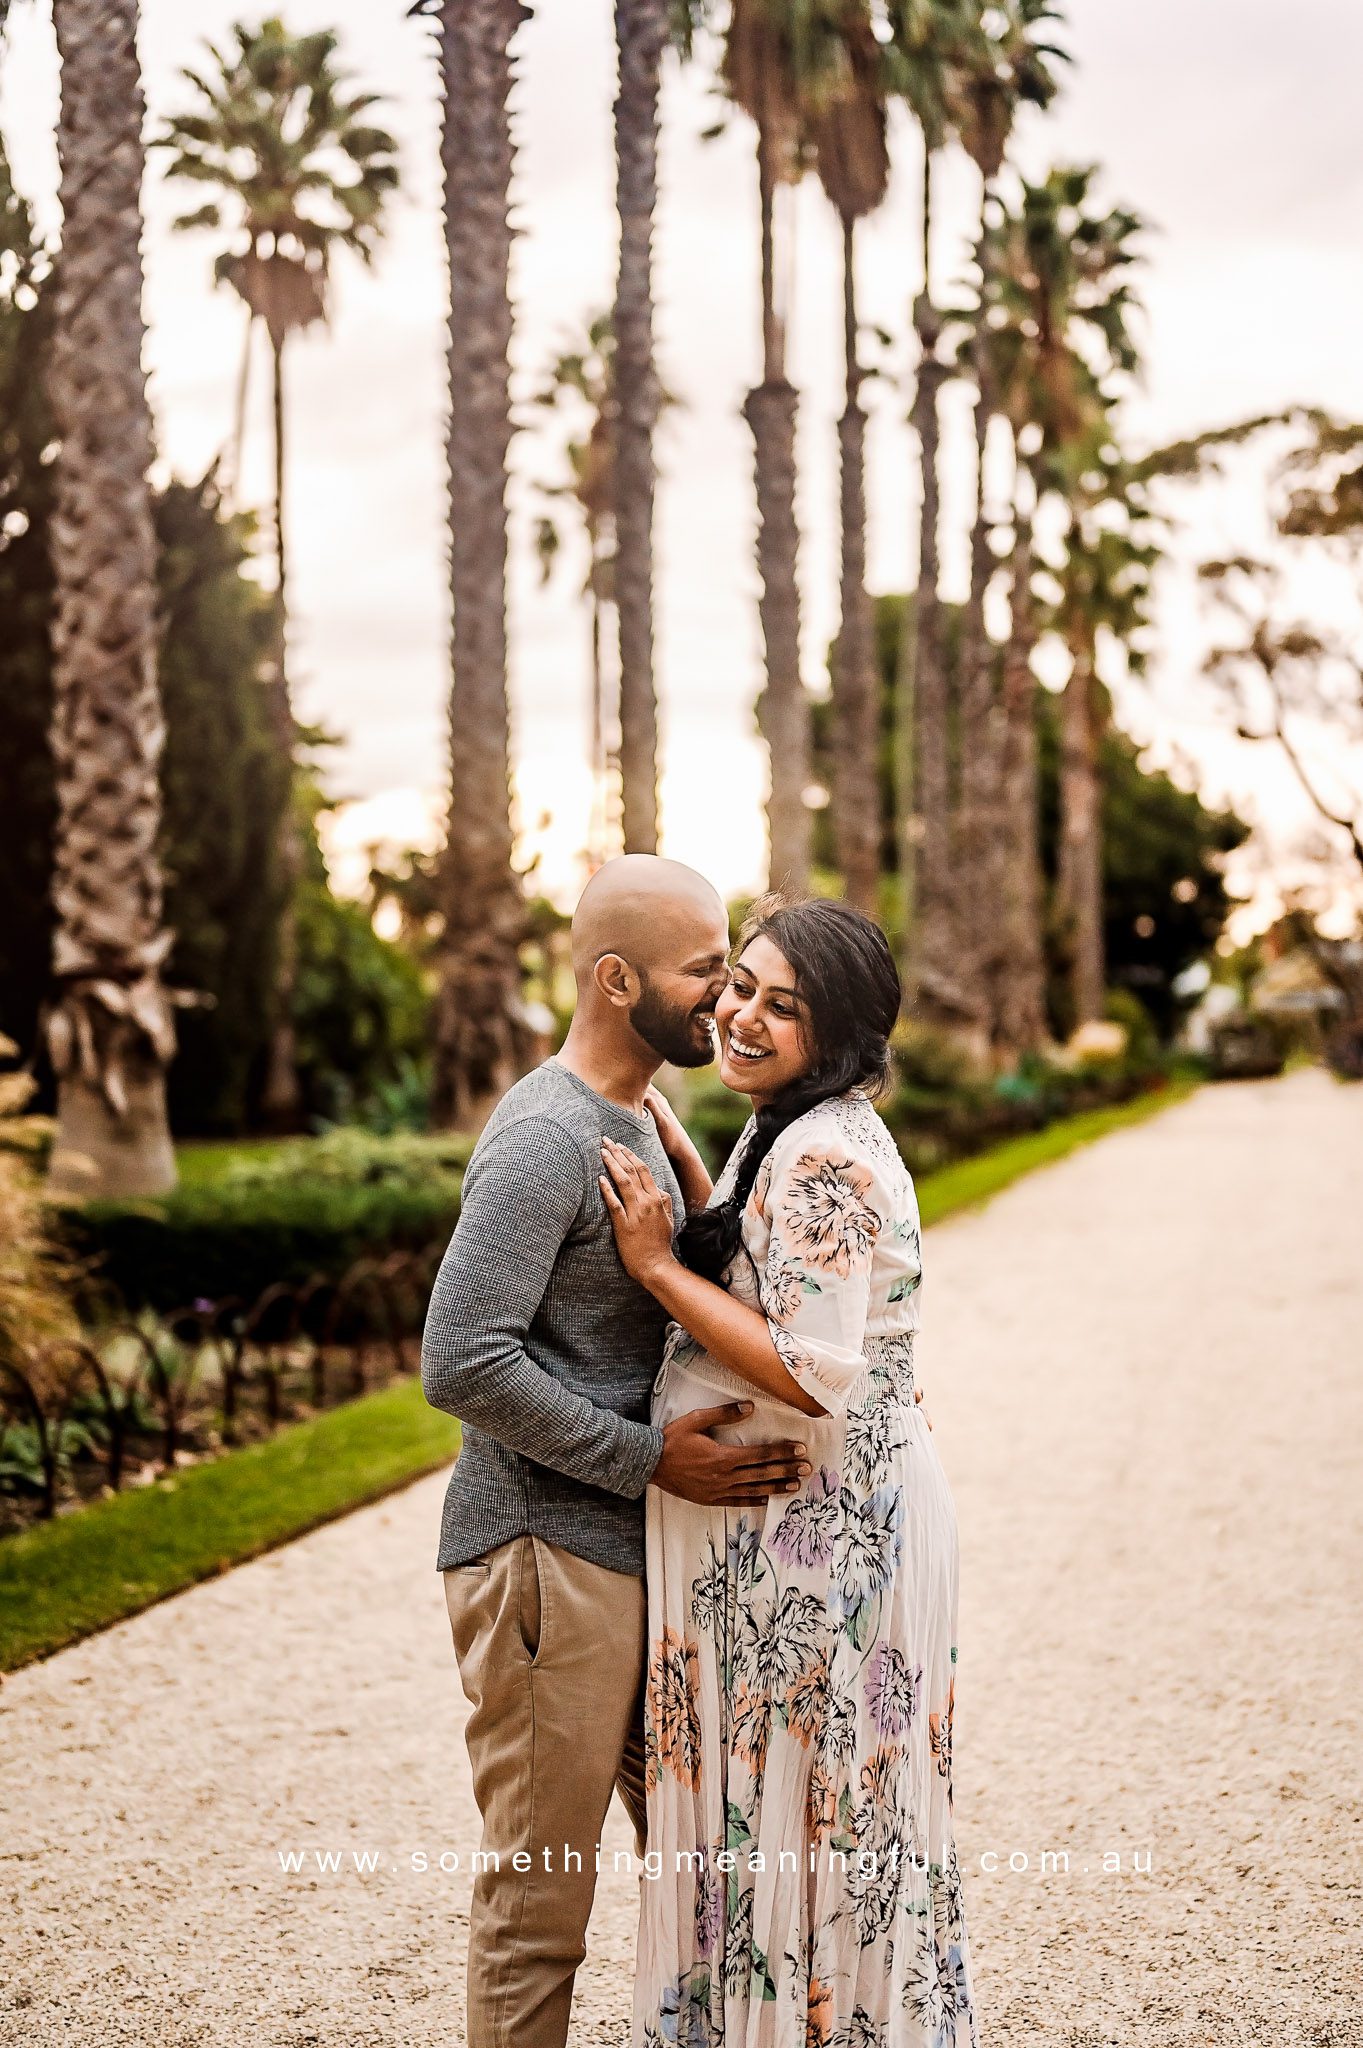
(802, 1653)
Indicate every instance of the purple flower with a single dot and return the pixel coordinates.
(804, 1535)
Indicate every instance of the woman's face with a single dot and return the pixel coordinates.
(758, 1022)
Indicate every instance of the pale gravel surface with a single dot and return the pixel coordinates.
(1145, 1370)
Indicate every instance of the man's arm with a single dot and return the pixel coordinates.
(521, 1197)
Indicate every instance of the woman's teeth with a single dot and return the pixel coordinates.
(748, 1052)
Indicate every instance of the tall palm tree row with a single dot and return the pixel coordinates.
(1011, 64)
(297, 170)
(110, 1029)
(480, 1037)
(641, 33)
(1055, 321)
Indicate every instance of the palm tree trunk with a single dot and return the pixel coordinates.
(281, 1097)
(1020, 1020)
(1079, 879)
(978, 838)
(933, 975)
(782, 706)
(641, 34)
(856, 707)
(110, 1029)
(233, 491)
(480, 1038)
(596, 822)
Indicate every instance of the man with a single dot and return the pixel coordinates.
(545, 1348)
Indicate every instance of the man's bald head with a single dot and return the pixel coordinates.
(650, 943)
(648, 910)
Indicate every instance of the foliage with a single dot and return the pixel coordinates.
(360, 1002)
(224, 788)
(1164, 895)
(280, 1213)
(1165, 900)
(35, 1273)
(295, 166)
(347, 1158)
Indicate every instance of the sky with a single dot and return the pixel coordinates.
(1230, 125)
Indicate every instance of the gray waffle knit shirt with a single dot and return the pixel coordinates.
(539, 1341)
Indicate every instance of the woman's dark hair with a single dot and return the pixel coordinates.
(850, 993)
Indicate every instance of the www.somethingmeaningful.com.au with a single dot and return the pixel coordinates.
(864, 1862)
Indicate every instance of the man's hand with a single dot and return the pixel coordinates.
(694, 1467)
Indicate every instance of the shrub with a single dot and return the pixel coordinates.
(35, 1276)
(304, 1210)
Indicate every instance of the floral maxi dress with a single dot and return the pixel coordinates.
(802, 1652)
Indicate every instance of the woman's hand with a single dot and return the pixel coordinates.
(671, 1130)
(917, 1397)
(640, 1213)
(693, 1177)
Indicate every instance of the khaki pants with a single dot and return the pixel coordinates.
(551, 1659)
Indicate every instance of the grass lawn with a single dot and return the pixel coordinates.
(201, 1162)
(83, 1571)
(71, 1576)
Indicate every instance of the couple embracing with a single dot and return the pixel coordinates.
(698, 1545)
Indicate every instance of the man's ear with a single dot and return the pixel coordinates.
(617, 981)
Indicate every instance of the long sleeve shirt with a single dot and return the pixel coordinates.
(539, 1341)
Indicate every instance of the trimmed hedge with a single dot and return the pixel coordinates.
(304, 1210)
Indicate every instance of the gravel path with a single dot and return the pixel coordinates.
(1143, 1369)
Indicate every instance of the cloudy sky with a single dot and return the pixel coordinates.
(1231, 125)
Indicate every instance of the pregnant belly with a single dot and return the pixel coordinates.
(701, 1382)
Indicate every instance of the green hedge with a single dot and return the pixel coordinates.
(241, 1222)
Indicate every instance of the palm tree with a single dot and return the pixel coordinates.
(846, 127)
(1054, 321)
(581, 385)
(762, 74)
(481, 1041)
(1008, 64)
(1105, 587)
(298, 171)
(641, 32)
(925, 52)
(110, 1030)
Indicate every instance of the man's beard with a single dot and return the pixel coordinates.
(672, 1033)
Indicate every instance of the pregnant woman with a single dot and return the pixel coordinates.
(801, 1656)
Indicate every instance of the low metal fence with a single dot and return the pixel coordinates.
(133, 1396)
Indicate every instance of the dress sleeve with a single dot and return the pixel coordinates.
(826, 1209)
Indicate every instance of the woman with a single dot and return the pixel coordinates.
(801, 1655)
